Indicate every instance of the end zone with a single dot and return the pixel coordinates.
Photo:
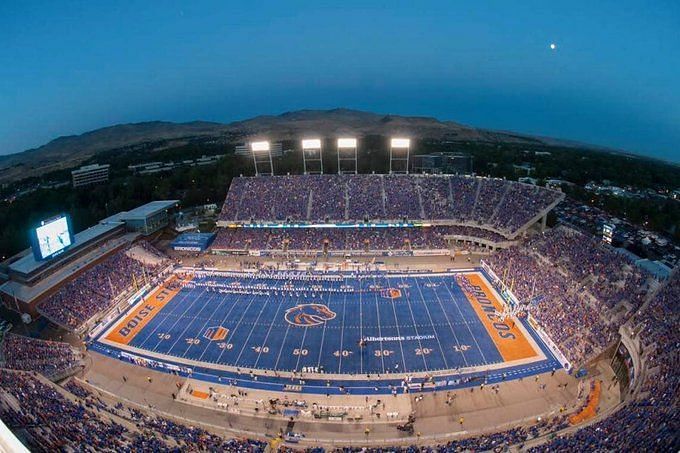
(511, 342)
(127, 328)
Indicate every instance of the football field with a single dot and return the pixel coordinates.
(336, 324)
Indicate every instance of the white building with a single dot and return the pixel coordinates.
(90, 174)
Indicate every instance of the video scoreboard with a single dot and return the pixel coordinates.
(51, 237)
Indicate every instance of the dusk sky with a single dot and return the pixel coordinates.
(613, 79)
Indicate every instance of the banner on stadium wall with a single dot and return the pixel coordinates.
(548, 342)
(432, 252)
(332, 225)
(187, 249)
(222, 252)
(398, 253)
(150, 363)
(254, 253)
(236, 252)
(193, 242)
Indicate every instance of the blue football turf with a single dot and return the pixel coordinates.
(439, 326)
(317, 327)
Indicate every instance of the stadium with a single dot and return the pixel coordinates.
(340, 312)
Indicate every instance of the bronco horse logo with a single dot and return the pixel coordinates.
(307, 315)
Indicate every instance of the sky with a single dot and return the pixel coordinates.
(613, 79)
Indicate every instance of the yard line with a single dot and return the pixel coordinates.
(226, 316)
(396, 323)
(190, 305)
(465, 321)
(323, 334)
(342, 329)
(415, 326)
(184, 296)
(302, 343)
(361, 330)
(446, 364)
(245, 343)
(264, 342)
(189, 323)
(217, 307)
(231, 334)
(453, 331)
(278, 357)
(377, 310)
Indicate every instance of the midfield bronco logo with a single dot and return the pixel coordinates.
(306, 315)
(390, 293)
(217, 333)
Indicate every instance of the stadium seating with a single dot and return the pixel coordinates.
(56, 421)
(652, 421)
(607, 274)
(576, 282)
(51, 420)
(374, 239)
(52, 359)
(94, 290)
(498, 204)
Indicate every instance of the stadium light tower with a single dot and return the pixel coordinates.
(262, 156)
(312, 159)
(399, 154)
(347, 155)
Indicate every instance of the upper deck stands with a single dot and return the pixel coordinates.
(497, 204)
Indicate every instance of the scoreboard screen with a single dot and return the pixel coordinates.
(51, 237)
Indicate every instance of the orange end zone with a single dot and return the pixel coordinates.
(508, 338)
(134, 322)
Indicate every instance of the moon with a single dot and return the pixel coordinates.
(553, 46)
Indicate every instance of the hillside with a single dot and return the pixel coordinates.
(69, 151)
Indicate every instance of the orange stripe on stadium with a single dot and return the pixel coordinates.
(135, 321)
(510, 341)
(590, 410)
(199, 394)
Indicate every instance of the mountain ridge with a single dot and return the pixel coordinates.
(71, 150)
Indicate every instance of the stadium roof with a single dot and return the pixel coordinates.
(28, 263)
(142, 212)
(656, 268)
(28, 293)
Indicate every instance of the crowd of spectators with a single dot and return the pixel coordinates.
(52, 359)
(498, 203)
(608, 275)
(565, 269)
(364, 197)
(489, 196)
(272, 198)
(651, 422)
(187, 438)
(350, 239)
(52, 421)
(402, 197)
(95, 289)
(562, 309)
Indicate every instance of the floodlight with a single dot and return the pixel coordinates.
(259, 146)
(312, 158)
(401, 143)
(313, 143)
(347, 143)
